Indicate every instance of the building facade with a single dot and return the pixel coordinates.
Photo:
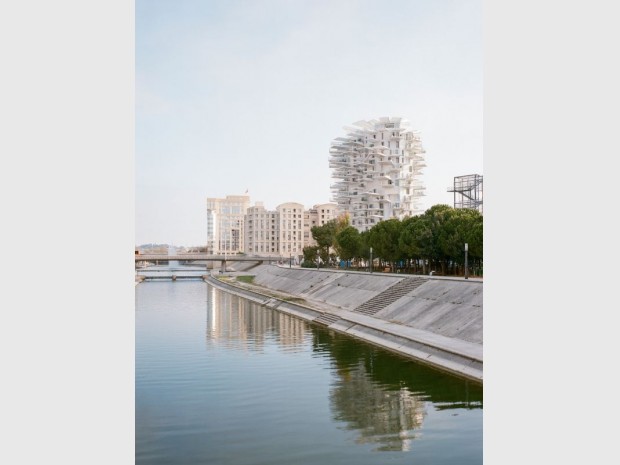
(291, 216)
(318, 215)
(262, 231)
(226, 224)
(276, 232)
(377, 165)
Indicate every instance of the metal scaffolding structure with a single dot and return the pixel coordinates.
(467, 192)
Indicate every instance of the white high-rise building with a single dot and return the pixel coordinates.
(225, 224)
(377, 166)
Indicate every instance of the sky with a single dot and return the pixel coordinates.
(236, 96)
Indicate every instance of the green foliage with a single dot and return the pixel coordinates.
(246, 279)
(348, 243)
(457, 229)
(364, 245)
(415, 237)
(437, 236)
(310, 253)
(325, 236)
(383, 238)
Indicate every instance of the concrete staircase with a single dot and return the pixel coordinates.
(390, 295)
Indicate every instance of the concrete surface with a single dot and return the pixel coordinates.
(439, 322)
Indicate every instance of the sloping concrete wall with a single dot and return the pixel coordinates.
(446, 307)
(341, 289)
(449, 307)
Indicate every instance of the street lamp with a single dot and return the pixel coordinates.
(371, 259)
(466, 277)
(290, 259)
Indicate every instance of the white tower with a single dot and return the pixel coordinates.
(378, 166)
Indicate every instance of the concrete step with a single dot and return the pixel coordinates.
(390, 295)
(326, 319)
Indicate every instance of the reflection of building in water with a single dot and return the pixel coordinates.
(380, 415)
(291, 331)
(237, 322)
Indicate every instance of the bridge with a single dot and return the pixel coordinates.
(190, 257)
(162, 257)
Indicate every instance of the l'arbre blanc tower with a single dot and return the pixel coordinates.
(377, 166)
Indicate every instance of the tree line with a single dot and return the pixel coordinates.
(432, 241)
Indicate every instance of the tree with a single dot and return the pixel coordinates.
(435, 217)
(383, 237)
(325, 236)
(461, 226)
(348, 243)
(475, 235)
(310, 253)
(414, 240)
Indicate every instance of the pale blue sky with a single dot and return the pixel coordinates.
(236, 95)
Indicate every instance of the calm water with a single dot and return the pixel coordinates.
(221, 380)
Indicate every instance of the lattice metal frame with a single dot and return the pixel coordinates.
(467, 192)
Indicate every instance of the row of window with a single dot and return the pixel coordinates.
(260, 248)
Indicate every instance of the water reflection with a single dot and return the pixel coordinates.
(384, 397)
(381, 397)
(235, 322)
(379, 415)
(393, 372)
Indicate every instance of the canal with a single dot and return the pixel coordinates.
(222, 380)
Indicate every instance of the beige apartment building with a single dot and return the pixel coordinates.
(291, 217)
(262, 231)
(318, 215)
(234, 226)
(276, 232)
(226, 224)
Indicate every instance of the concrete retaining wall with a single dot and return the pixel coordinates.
(439, 322)
(450, 307)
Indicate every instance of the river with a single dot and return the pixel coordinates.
(222, 380)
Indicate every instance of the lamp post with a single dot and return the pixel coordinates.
(466, 277)
(290, 259)
(371, 259)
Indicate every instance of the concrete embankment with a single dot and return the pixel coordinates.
(433, 320)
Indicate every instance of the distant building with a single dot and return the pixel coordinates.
(291, 216)
(276, 232)
(225, 224)
(318, 215)
(262, 231)
(467, 192)
(377, 166)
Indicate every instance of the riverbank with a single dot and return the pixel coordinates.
(433, 320)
